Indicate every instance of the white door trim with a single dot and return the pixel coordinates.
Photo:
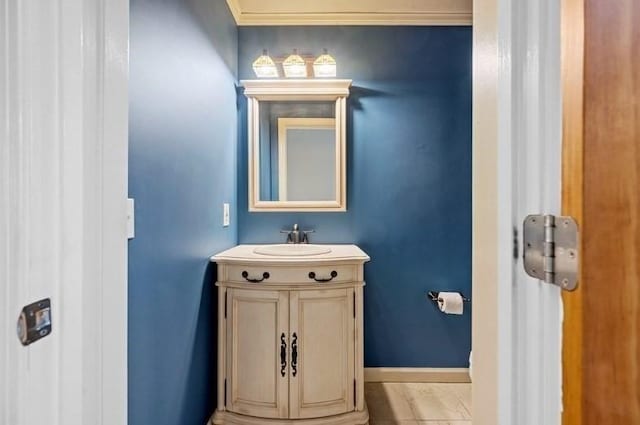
(100, 114)
(114, 57)
(516, 163)
(63, 190)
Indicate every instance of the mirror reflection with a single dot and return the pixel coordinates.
(298, 151)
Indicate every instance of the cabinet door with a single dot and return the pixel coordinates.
(257, 342)
(322, 334)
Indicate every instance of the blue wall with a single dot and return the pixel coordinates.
(409, 179)
(182, 167)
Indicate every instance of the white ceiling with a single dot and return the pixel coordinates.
(352, 12)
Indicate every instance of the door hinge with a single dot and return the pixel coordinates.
(225, 304)
(551, 249)
(225, 392)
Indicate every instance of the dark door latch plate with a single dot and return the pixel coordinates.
(34, 322)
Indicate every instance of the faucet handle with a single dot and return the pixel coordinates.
(295, 235)
(292, 235)
(305, 238)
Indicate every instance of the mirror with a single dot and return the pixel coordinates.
(297, 145)
(297, 155)
(306, 159)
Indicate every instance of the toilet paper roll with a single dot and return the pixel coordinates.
(450, 302)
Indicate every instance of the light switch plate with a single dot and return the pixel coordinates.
(225, 214)
(131, 219)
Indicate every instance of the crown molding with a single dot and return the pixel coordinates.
(414, 19)
(236, 11)
(459, 18)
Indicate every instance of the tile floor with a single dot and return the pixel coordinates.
(418, 404)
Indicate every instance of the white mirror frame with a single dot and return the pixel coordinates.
(297, 90)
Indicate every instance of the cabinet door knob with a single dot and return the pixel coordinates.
(245, 274)
(294, 354)
(312, 275)
(283, 355)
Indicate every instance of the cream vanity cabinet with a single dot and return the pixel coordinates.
(290, 344)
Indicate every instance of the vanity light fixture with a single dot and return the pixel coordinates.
(265, 67)
(324, 66)
(294, 66)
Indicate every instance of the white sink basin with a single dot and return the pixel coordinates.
(292, 250)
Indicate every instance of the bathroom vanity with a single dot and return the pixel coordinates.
(290, 335)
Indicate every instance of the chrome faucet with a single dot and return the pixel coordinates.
(296, 236)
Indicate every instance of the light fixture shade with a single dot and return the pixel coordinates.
(324, 66)
(265, 67)
(294, 66)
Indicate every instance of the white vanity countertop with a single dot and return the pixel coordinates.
(245, 253)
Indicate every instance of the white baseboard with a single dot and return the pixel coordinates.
(416, 374)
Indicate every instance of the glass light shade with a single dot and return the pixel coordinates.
(324, 66)
(294, 66)
(265, 67)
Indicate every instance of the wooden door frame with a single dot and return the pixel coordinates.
(572, 40)
(600, 188)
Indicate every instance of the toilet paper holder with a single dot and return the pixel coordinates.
(433, 296)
